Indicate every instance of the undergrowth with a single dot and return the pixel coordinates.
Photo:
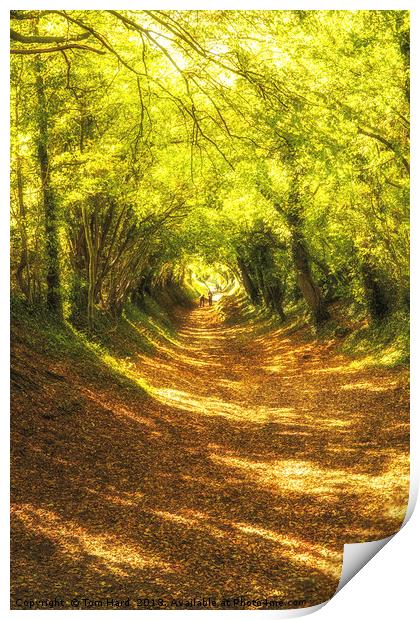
(108, 353)
(384, 344)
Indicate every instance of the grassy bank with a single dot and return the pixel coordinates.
(103, 356)
(384, 344)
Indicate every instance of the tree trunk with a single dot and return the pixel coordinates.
(25, 283)
(54, 298)
(91, 269)
(311, 292)
(376, 294)
(249, 286)
(272, 290)
(276, 292)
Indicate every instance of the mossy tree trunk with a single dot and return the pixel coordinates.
(249, 285)
(52, 245)
(376, 293)
(301, 260)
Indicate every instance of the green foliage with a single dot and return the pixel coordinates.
(271, 147)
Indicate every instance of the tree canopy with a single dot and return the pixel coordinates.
(273, 143)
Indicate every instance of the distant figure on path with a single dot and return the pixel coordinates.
(202, 301)
(210, 298)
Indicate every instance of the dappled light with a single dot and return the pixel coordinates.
(377, 492)
(210, 301)
(109, 551)
(219, 477)
(299, 550)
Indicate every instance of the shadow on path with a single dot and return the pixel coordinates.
(255, 460)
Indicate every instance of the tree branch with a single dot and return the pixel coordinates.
(386, 143)
(16, 36)
(58, 48)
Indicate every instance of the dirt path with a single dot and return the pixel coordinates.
(257, 458)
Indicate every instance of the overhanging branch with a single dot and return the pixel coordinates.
(58, 48)
(386, 143)
(16, 36)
